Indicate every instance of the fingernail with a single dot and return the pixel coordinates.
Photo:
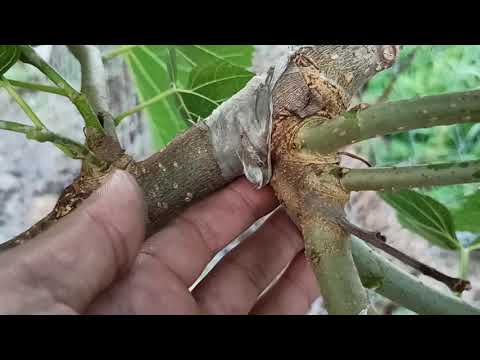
(120, 180)
(117, 183)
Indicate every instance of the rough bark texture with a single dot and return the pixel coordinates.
(316, 80)
(185, 171)
(320, 81)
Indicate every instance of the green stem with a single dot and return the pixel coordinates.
(37, 87)
(29, 112)
(78, 151)
(119, 51)
(392, 178)
(380, 274)
(143, 105)
(324, 136)
(158, 98)
(80, 101)
(464, 260)
(23, 105)
(330, 255)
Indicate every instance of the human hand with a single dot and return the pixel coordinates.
(95, 260)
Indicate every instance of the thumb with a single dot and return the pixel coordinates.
(81, 255)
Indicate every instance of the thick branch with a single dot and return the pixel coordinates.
(328, 250)
(387, 279)
(320, 135)
(392, 178)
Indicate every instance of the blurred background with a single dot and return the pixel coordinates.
(32, 174)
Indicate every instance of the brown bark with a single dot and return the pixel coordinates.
(316, 81)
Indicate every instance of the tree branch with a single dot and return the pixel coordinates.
(329, 252)
(37, 87)
(387, 279)
(94, 84)
(393, 178)
(80, 101)
(78, 151)
(320, 135)
(23, 105)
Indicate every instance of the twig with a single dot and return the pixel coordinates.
(30, 113)
(353, 156)
(37, 87)
(80, 101)
(379, 241)
(78, 151)
(23, 105)
(392, 178)
(158, 98)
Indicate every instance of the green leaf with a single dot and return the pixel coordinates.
(150, 72)
(466, 217)
(216, 82)
(155, 66)
(424, 216)
(9, 55)
(197, 55)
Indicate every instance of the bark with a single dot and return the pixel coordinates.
(321, 81)
(310, 83)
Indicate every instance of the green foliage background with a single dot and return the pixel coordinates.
(434, 70)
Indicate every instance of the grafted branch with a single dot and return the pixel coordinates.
(320, 136)
(317, 81)
(392, 178)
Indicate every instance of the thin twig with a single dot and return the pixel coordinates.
(29, 112)
(78, 151)
(22, 103)
(30, 56)
(353, 156)
(379, 241)
(37, 87)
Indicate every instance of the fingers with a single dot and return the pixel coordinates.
(69, 264)
(234, 285)
(171, 260)
(293, 293)
(190, 241)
